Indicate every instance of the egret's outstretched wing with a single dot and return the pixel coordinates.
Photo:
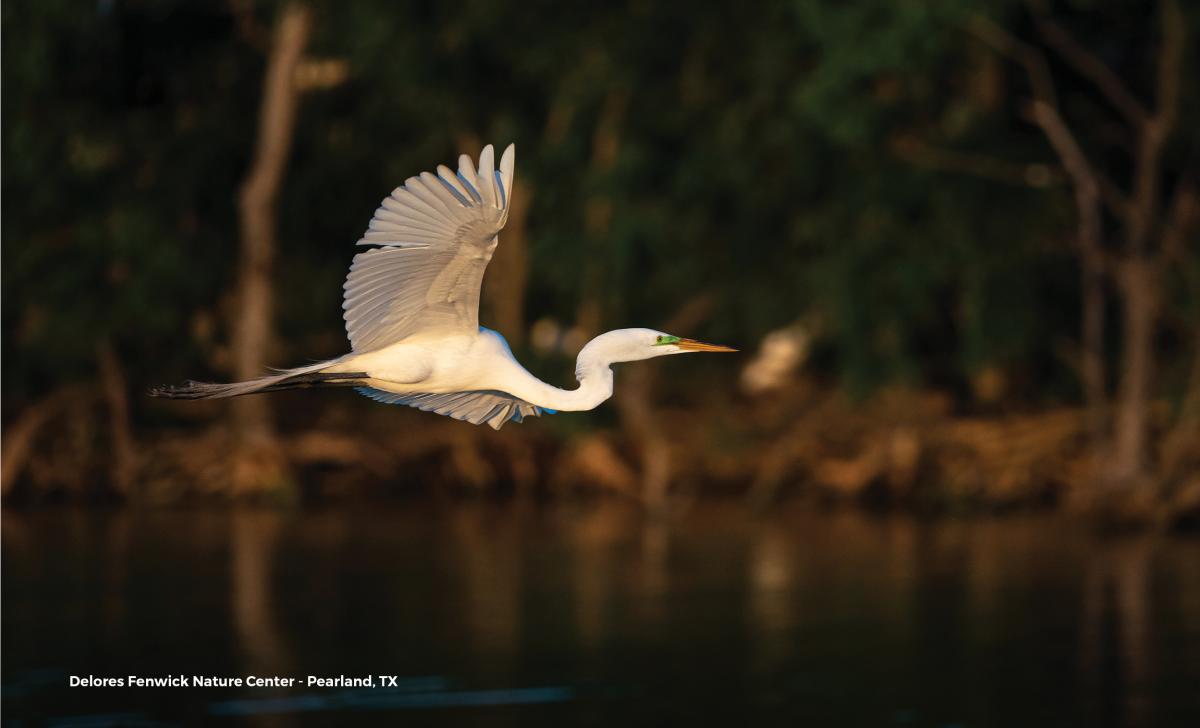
(494, 408)
(436, 236)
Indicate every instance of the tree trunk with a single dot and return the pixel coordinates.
(635, 402)
(1139, 283)
(1095, 387)
(258, 464)
(257, 201)
(124, 446)
(1139, 275)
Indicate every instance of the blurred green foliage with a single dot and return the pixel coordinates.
(752, 152)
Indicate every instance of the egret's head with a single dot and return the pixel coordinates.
(669, 344)
(637, 344)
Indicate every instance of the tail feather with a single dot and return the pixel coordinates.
(291, 379)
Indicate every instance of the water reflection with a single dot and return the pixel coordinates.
(1115, 643)
(597, 614)
(485, 564)
(254, 539)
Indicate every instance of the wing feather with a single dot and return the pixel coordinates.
(449, 178)
(387, 220)
(466, 168)
(405, 204)
(477, 407)
(417, 187)
(487, 175)
(474, 193)
(507, 162)
(435, 237)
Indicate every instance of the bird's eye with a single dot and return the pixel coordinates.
(658, 340)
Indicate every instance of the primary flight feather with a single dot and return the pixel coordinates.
(412, 313)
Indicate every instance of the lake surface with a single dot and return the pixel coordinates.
(597, 615)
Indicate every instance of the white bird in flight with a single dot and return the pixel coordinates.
(412, 313)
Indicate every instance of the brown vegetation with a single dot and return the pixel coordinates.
(899, 448)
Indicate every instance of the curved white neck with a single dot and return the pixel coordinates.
(595, 376)
(595, 386)
(593, 369)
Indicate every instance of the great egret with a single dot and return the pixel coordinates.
(412, 313)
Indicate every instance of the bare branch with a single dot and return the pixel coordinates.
(1034, 63)
(1088, 65)
(1091, 251)
(321, 73)
(1170, 65)
(918, 153)
(1084, 179)
(1148, 166)
(1019, 51)
(1067, 148)
(1184, 212)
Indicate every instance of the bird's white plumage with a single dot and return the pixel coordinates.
(436, 235)
(412, 313)
(494, 408)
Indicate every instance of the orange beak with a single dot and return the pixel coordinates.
(693, 345)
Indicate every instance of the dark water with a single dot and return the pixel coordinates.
(598, 616)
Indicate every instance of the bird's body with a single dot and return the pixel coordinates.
(462, 363)
(412, 306)
(442, 365)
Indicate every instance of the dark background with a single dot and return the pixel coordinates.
(955, 242)
(873, 180)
